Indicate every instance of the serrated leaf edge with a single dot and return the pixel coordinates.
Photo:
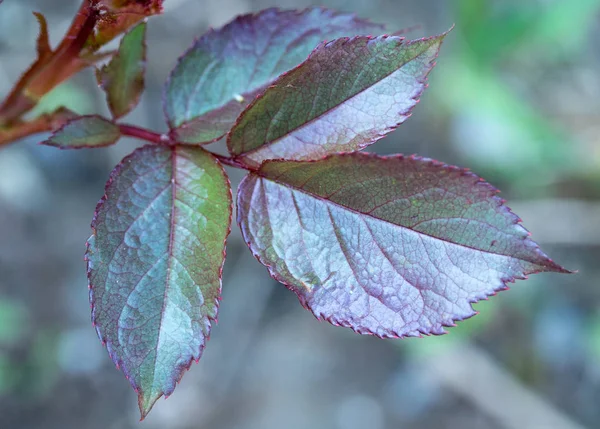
(49, 142)
(118, 362)
(101, 71)
(408, 112)
(249, 16)
(552, 266)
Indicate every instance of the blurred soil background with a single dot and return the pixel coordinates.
(515, 97)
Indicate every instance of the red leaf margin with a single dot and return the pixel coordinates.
(385, 132)
(237, 20)
(72, 118)
(552, 266)
(118, 362)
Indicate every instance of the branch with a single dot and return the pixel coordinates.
(494, 390)
(51, 67)
(60, 117)
(43, 123)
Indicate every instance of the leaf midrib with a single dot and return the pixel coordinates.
(169, 257)
(341, 206)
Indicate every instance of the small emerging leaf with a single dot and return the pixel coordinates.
(225, 69)
(85, 132)
(348, 94)
(118, 17)
(389, 246)
(154, 263)
(123, 77)
(43, 41)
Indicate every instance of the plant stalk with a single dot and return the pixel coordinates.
(50, 70)
(163, 139)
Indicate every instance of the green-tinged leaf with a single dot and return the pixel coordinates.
(154, 263)
(225, 69)
(348, 94)
(85, 132)
(389, 246)
(123, 77)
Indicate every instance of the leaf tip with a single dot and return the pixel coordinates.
(147, 399)
(144, 410)
(554, 267)
(439, 39)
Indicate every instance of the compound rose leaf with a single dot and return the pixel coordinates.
(85, 132)
(348, 94)
(225, 69)
(389, 246)
(123, 77)
(154, 263)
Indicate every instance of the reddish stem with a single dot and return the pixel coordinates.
(40, 124)
(80, 30)
(144, 134)
(47, 72)
(66, 60)
(163, 139)
(24, 129)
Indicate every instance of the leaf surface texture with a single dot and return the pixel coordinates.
(390, 246)
(123, 77)
(225, 69)
(85, 132)
(155, 261)
(348, 94)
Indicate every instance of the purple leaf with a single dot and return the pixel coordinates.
(123, 77)
(348, 94)
(154, 263)
(85, 132)
(225, 69)
(389, 246)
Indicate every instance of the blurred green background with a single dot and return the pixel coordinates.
(515, 97)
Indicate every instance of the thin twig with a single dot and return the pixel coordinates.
(24, 129)
(472, 373)
(43, 123)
